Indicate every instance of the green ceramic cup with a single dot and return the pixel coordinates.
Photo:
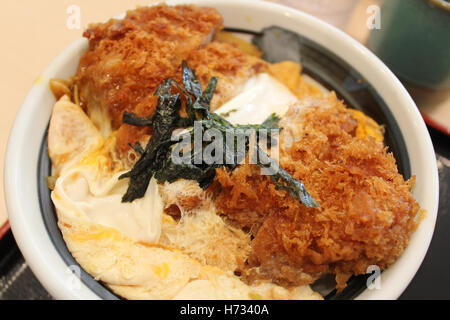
(414, 41)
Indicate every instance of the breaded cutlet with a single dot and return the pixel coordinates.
(366, 215)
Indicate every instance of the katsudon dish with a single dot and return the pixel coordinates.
(185, 166)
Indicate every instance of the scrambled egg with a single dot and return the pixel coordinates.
(367, 127)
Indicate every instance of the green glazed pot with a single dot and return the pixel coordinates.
(414, 41)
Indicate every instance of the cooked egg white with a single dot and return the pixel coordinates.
(79, 195)
(87, 190)
(219, 286)
(261, 96)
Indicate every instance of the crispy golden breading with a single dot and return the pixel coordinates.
(127, 59)
(366, 212)
(216, 59)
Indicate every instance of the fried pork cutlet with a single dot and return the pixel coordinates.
(127, 59)
(366, 212)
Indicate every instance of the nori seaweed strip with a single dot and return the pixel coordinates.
(137, 147)
(210, 89)
(158, 148)
(133, 119)
(156, 159)
(190, 81)
(284, 181)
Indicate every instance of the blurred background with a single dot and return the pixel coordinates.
(411, 36)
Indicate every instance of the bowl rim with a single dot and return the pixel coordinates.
(48, 266)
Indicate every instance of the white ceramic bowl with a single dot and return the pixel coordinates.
(29, 127)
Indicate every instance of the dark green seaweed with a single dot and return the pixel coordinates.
(155, 159)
